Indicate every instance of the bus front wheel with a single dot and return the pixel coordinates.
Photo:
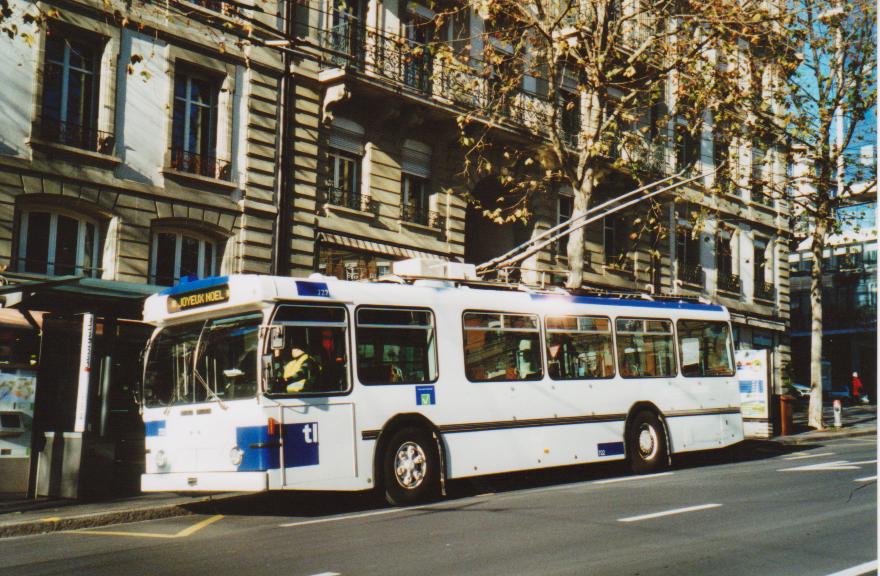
(646, 444)
(411, 467)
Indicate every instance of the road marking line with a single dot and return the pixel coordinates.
(858, 570)
(629, 478)
(836, 465)
(805, 456)
(865, 479)
(328, 574)
(350, 516)
(182, 534)
(669, 513)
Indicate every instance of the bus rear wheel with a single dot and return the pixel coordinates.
(411, 467)
(646, 444)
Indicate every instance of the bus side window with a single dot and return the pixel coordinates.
(704, 348)
(501, 347)
(579, 347)
(396, 345)
(645, 348)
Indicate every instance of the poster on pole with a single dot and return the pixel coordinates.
(754, 390)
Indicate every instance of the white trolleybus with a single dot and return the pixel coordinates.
(258, 383)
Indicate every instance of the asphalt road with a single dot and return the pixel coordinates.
(811, 511)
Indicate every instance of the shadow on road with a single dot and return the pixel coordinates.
(315, 504)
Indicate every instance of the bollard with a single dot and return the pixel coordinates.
(837, 423)
(786, 410)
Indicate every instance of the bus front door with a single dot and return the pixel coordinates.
(318, 445)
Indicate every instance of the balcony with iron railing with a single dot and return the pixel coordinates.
(77, 136)
(351, 199)
(765, 291)
(730, 283)
(200, 165)
(690, 274)
(414, 214)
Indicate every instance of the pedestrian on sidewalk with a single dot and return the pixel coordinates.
(857, 388)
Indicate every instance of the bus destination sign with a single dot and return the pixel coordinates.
(198, 298)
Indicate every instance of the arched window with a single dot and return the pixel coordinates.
(175, 255)
(58, 243)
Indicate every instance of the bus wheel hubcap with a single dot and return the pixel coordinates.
(647, 442)
(410, 465)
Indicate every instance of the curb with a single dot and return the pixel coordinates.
(99, 519)
(811, 437)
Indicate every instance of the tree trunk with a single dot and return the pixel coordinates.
(575, 251)
(815, 409)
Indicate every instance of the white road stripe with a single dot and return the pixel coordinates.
(328, 574)
(865, 479)
(669, 513)
(857, 570)
(805, 456)
(350, 516)
(630, 478)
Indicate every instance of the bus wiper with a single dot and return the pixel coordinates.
(197, 375)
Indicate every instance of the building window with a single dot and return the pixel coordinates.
(176, 255)
(727, 280)
(58, 244)
(416, 201)
(687, 256)
(763, 288)
(70, 94)
(687, 147)
(615, 244)
(194, 127)
(345, 178)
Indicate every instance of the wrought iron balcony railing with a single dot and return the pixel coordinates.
(351, 199)
(729, 282)
(40, 266)
(77, 136)
(764, 290)
(192, 163)
(418, 215)
(690, 274)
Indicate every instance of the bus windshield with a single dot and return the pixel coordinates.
(225, 367)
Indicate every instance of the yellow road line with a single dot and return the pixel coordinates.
(182, 534)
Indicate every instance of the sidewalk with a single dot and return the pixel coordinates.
(20, 517)
(856, 420)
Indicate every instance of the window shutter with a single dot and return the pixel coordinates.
(347, 136)
(416, 159)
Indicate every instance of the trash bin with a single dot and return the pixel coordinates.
(786, 412)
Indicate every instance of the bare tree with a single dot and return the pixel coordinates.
(828, 101)
(605, 85)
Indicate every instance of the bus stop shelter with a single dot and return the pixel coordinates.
(85, 434)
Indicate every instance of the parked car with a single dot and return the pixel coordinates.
(800, 390)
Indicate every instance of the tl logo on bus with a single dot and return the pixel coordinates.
(301, 445)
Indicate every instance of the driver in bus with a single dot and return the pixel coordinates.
(302, 372)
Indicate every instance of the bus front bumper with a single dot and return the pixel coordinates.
(205, 482)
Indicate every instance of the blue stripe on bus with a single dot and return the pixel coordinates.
(155, 428)
(260, 450)
(611, 449)
(196, 285)
(602, 301)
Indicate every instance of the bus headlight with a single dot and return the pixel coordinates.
(236, 455)
(161, 459)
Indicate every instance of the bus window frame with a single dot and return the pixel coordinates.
(348, 347)
(675, 369)
(385, 307)
(610, 332)
(538, 330)
(730, 348)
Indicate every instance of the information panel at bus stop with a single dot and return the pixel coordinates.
(754, 389)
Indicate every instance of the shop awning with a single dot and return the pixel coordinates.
(363, 245)
(75, 295)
